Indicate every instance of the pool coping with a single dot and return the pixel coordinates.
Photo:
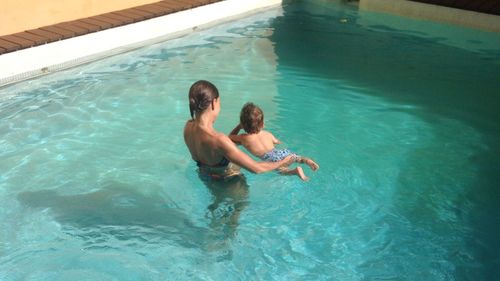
(55, 56)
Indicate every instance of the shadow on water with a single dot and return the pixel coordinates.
(438, 81)
(118, 212)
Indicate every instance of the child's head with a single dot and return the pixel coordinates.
(251, 118)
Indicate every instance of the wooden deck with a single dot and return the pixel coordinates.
(64, 30)
(481, 6)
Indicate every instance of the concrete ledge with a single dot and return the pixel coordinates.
(477, 20)
(44, 59)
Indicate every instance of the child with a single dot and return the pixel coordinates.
(261, 143)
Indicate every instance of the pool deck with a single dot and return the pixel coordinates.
(47, 49)
(64, 30)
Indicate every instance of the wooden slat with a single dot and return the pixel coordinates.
(125, 17)
(154, 9)
(65, 33)
(186, 4)
(178, 6)
(102, 24)
(87, 26)
(144, 14)
(9, 46)
(172, 8)
(167, 9)
(32, 37)
(136, 14)
(192, 3)
(51, 37)
(76, 29)
(25, 43)
(110, 20)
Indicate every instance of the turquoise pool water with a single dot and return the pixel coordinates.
(402, 116)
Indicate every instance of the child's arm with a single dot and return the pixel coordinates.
(236, 129)
(234, 134)
(275, 140)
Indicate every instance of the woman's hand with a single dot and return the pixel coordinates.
(287, 161)
(240, 158)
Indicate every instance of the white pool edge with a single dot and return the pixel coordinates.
(32, 62)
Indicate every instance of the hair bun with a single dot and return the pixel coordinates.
(201, 94)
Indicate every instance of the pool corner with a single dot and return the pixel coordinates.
(44, 59)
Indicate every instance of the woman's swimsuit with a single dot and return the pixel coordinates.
(222, 170)
(222, 163)
(276, 155)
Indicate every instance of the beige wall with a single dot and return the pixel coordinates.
(21, 15)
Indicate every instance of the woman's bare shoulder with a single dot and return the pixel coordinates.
(188, 125)
(222, 137)
(223, 140)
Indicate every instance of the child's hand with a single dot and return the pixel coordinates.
(236, 130)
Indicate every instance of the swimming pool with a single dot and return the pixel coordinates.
(95, 180)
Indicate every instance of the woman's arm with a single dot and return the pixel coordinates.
(238, 157)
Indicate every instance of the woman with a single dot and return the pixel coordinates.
(215, 154)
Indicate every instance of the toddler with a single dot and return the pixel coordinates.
(262, 143)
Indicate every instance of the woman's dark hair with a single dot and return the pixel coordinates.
(201, 94)
(251, 118)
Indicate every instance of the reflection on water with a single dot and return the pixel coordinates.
(446, 80)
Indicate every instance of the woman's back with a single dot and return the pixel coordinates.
(203, 143)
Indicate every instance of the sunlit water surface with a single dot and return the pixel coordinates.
(402, 116)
